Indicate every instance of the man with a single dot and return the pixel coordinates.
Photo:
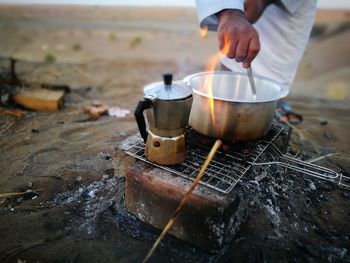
(271, 35)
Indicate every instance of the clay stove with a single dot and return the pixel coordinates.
(152, 192)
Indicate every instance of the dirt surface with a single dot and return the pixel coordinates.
(109, 54)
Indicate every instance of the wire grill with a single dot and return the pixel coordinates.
(276, 157)
(229, 165)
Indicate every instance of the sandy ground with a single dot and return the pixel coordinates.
(109, 54)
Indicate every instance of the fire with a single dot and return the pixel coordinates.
(208, 80)
(203, 31)
(208, 83)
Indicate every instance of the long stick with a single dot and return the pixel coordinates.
(184, 199)
(5, 195)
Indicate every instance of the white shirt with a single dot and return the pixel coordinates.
(284, 29)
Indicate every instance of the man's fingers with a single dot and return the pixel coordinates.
(227, 46)
(241, 50)
(221, 41)
(230, 49)
(253, 50)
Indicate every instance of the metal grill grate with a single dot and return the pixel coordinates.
(229, 165)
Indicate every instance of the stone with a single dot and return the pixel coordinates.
(152, 195)
(312, 186)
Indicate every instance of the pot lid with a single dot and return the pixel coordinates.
(168, 90)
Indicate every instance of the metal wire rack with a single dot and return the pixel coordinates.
(229, 165)
(317, 171)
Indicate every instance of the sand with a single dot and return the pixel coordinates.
(109, 54)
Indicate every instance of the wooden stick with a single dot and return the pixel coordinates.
(184, 199)
(19, 193)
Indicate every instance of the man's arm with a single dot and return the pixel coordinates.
(207, 10)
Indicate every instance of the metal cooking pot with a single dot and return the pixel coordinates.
(228, 111)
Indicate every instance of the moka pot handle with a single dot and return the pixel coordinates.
(140, 118)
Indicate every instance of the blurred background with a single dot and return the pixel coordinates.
(158, 32)
(107, 51)
(119, 46)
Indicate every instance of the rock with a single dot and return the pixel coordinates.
(261, 176)
(108, 157)
(326, 186)
(338, 251)
(329, 136)
(96, 110)
(346, 194)
(312, 186)
(323, 122)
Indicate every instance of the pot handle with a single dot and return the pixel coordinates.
(140, 119)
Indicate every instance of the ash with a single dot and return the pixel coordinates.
(284, 216)
(90, 202)
(97, 212)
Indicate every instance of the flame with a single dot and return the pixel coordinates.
(208, 83)
(203, 31)
(208, 80)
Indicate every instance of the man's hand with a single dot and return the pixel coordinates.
(237, 37)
